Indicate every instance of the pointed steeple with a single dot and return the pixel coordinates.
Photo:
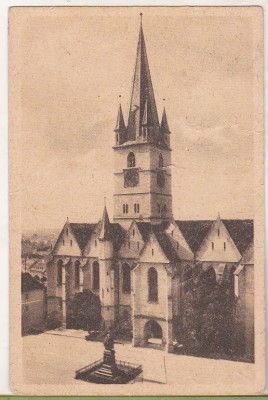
(105, 226)
(142, 91)
(164, 124)
(120, 123)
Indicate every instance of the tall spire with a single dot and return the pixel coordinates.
(142, 92)
(105, 226)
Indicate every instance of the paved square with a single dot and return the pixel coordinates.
(52, 358)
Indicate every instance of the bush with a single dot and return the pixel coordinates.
(84, 311)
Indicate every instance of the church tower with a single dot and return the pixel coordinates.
(142, 154)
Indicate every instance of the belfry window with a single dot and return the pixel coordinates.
(160, 161)
(131, 162)
(152, 285)
(136, 208)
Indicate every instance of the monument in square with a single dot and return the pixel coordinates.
(108, 370)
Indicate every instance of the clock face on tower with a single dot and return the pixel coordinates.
(131, 177)
(160, 178)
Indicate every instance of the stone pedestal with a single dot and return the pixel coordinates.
(108, 368)
(109, 360)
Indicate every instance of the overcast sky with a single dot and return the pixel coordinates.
(73, 63)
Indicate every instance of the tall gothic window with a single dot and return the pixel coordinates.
(152, 285)
(161, 161)
(126, 278)
(77, 274)
(131, 160)
(59, 273)
(96, 275)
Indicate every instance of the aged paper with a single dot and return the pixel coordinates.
(136, 200)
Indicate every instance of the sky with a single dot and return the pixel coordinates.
(73, 63)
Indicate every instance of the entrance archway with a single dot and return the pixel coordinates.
(153, 333)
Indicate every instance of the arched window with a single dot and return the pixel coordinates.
(77, 274)
(96, 275)
(59, 273)
(131, 160)
(126, 278)
(152, 285)
(160, 161)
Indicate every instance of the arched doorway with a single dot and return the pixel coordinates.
(153, 333)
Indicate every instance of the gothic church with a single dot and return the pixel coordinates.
(135, 263)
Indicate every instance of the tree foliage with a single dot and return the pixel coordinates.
(84, 311)
(207, 311)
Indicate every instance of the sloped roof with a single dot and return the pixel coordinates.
(241, 231)
(28, 283)
(165, 243)
(117, 235)
(82, 233)
(248, 256)
(39, 263)
(194, 232)
(145, 229)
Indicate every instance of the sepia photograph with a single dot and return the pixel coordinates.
(136, 200)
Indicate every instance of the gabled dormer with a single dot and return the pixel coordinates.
(178, 242)
(153, 252)
(218, 245)
(158, 248)
(67, 244)
(134, 241)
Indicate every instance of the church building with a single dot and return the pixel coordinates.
(135, 261)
